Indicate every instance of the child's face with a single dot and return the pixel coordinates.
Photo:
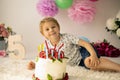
(50, 30)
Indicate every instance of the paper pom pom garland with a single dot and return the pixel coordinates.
(47, 8)
(80, 11)
(93, 0)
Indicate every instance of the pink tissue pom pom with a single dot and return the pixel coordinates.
(93, 0)
(47, 8)
(82, 12)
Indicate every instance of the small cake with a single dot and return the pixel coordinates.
(50, 64)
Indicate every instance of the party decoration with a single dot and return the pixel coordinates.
(47, 8)
(113, 25)
(93, 0)
(16, 49)
(64, 4)
(82, 11)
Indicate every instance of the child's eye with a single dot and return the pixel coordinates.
(53, 26)
(47, 29)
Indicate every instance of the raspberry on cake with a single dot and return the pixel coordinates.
(50, 64)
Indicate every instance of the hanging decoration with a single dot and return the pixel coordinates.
(64, 4)
(93, 0)
(113, 25)
(80, 11)
(47, 8)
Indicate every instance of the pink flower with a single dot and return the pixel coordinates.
(105, 49)
(111, 51)
(5, 34)
(2, 53)
(3, 31)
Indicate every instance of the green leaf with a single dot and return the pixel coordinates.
(34, 78)
(117, 22)
(36, 59)
(49, 77)
(105, 41)
(66, 57)
(53, 59)
(60, 60)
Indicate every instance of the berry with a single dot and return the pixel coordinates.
(56, 55)
(42, 54)
(62, 55)
(66, 76)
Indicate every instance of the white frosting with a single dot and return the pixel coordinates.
(46, 66)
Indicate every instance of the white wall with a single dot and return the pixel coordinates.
(23, 17)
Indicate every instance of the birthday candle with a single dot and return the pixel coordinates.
(39, 48)
(52, 52)
(46, 51)
(46, 45)
(59, 52)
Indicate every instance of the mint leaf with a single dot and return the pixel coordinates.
(36, 59)
(66, 57)
(53, 59)
(60, 60)
(49, 77)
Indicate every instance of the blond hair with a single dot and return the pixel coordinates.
(48, 19)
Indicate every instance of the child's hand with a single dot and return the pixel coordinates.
(94, 61)
(31, 65)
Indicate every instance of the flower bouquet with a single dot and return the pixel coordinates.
(4, 34)
(104, 48)
(113, 25)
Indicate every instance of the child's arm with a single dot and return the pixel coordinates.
(94, 61)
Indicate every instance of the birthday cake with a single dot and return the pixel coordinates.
(50, 64)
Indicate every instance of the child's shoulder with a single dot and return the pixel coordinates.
(66, 34)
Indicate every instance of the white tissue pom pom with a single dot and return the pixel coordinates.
(118, 15)
(118, 32)
(111, 24)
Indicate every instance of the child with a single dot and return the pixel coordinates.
(78, 51)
